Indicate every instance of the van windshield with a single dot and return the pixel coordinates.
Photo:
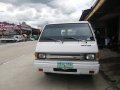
(67, 32)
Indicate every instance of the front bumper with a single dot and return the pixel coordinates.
(81, 67)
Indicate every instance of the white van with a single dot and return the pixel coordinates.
(67, 48)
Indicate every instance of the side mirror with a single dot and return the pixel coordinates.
(91, 38)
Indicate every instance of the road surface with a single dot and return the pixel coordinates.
(17, 72)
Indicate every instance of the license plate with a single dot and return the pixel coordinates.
(65, 65)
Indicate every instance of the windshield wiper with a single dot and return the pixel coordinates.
(73, 38)
(77, 39)
(49, 38)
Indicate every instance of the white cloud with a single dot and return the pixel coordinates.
(37, 14)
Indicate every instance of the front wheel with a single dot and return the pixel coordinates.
(47, 73)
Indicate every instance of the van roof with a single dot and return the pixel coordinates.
(69, 22)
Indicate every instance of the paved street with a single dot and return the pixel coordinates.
(17, 72)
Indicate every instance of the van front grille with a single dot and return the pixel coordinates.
(69, 57)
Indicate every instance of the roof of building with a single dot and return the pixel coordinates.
(103, 9)
(87, 14)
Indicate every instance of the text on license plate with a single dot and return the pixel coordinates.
(65, 65)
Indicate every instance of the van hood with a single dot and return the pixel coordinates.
(67, 47)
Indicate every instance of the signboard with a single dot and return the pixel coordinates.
(4, 26)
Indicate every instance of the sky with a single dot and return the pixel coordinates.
(40, 12)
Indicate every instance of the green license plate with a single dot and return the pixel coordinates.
(65, 65)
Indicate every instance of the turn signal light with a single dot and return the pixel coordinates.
(97, 56)
(91, 72)
(36, 55)
(40, 69)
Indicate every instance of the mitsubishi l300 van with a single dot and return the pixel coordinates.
(67, 48)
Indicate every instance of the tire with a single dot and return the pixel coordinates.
(47, 73)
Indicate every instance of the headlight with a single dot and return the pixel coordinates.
(42, 56)
(90, 56)
(39, 55)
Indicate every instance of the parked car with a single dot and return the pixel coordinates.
(16, 38)
(67, 48)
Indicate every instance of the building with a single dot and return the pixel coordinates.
(8, 30)
(105, 19)
(27, 29)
